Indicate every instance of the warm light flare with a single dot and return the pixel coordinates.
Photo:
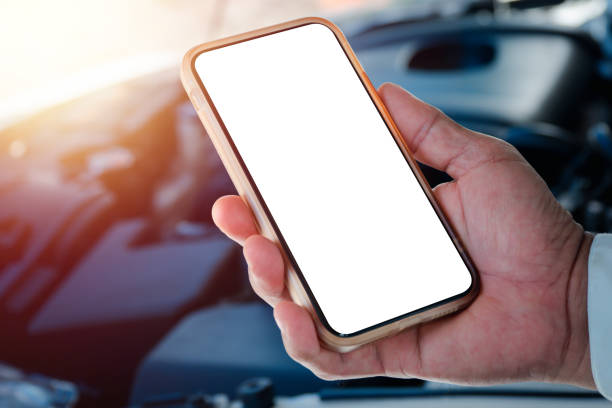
(17, 149)
(57, 50)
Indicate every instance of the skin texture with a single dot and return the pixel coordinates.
(529, 320)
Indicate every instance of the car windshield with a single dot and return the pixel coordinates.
(116, 287)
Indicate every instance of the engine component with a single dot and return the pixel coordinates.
(18, 390)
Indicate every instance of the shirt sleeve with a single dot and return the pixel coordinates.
(600, 312)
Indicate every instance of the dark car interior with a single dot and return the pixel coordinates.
(114, 279)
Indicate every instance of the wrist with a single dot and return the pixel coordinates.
(575, 364)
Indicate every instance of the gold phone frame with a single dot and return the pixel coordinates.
(296, 285)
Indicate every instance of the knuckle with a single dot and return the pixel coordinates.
(499, 147)
(325, 375)
(259, 291)
(434, 118)
(303, 357)
(299, 356)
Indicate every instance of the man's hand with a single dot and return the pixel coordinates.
(529, 321)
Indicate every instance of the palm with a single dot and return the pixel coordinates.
(522, 242)
(515, 233)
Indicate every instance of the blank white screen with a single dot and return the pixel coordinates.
(353, 215)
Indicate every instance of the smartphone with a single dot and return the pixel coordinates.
(311, 148)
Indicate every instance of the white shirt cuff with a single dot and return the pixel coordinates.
(600, 312)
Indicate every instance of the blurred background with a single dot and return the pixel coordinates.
(115, 287)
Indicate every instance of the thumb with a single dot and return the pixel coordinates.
(436, 140)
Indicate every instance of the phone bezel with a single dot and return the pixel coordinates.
(193, 55)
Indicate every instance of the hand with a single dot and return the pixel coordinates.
(529, 321)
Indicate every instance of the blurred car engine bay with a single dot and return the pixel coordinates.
(113, 276)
